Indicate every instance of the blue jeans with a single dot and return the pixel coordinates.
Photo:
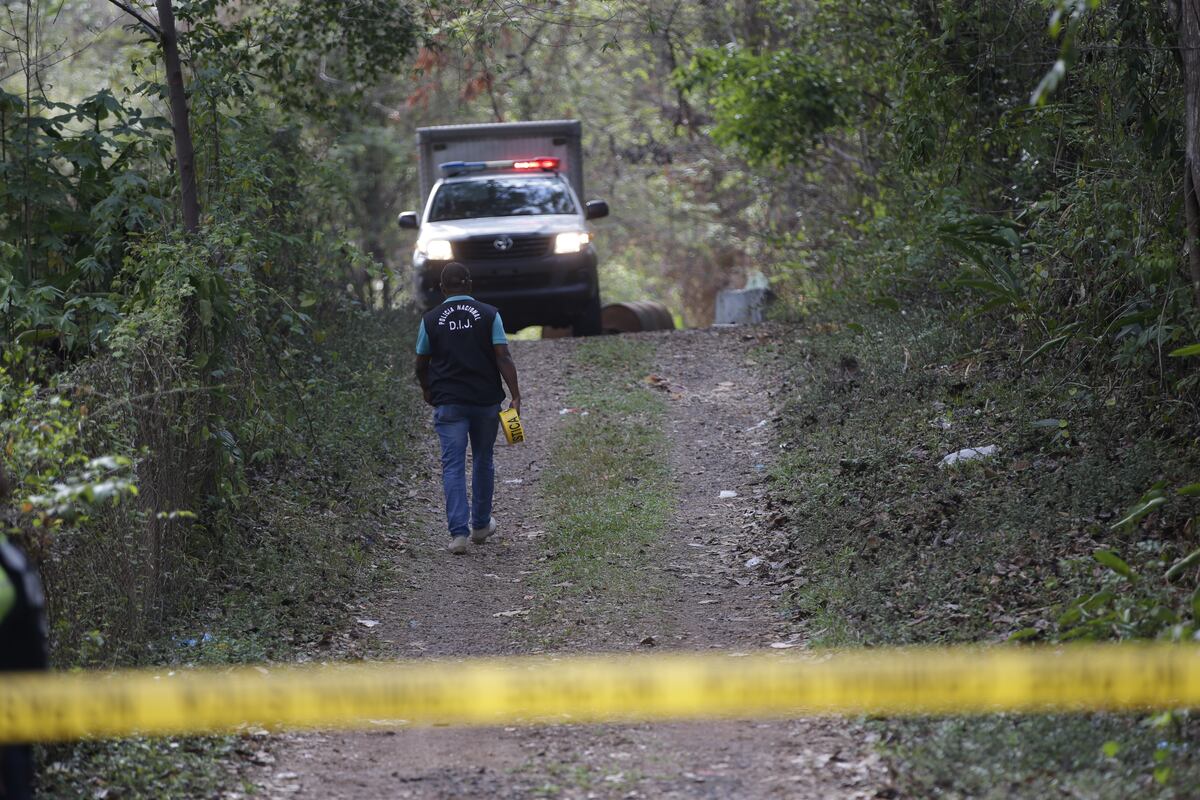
(455, 424)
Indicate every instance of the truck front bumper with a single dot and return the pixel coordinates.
(552, 290)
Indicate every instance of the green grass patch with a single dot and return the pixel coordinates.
(894, 549)
(142, 769)
(608, 493)
(1094, 756)
(556, 778)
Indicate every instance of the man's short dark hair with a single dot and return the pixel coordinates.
(455, 276)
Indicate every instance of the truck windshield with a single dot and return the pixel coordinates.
(500, 197)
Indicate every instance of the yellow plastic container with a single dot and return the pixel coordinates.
(510, 421)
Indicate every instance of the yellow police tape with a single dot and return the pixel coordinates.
(58, 707)
(510, 421)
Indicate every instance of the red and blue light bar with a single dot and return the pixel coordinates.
(544, 164)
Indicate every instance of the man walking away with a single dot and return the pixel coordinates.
(462, 353)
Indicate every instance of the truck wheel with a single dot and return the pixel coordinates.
(588, 323)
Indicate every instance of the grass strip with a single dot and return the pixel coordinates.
(608, 495)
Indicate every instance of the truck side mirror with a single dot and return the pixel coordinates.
(596, 209)
(408, 219)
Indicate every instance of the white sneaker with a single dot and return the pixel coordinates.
(480, 535)
(458, 545)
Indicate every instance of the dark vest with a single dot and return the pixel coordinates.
(462, 366)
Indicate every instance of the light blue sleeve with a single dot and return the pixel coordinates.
(422, 340)
(498, 336)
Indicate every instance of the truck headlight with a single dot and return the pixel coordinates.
(570, 242)
(437, 250)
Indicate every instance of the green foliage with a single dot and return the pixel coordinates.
(97, 482)
(1127, 607)
(54, 481)
(141, 768)
(1105, 757)
(941, 185)
(71, 195)
(314, 57)
(956, 554)
(772, 106)
(1065, 22)
(140, 358)
(1051, 540)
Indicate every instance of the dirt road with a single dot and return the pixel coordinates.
(447, 607)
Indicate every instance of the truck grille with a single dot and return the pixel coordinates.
(485, 249)
(523, 280)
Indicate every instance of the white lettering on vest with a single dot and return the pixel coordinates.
(444, 317)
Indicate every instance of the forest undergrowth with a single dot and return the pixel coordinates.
(1047, 540)
(277, 576)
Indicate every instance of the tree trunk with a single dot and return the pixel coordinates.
(1191, 210)
(185, 154)
(1189, 54)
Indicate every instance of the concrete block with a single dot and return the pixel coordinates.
(743, 306)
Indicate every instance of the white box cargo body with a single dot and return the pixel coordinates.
(498, 141)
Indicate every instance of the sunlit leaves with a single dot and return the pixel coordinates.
(1049, 82)
(1151, 500)
(325, 51)
(75, 171)
(1184, 564)
(772, 106)
(1114, 562)
(1064, 23)
(1185, 352)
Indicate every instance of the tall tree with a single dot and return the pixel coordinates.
(185, 154)
(1187, 21)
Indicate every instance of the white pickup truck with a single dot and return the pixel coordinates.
(504, 199)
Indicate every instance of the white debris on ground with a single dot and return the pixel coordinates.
(969, 454)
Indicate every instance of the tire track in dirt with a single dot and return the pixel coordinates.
(445, 607)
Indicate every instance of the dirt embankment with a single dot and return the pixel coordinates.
(714, 587)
